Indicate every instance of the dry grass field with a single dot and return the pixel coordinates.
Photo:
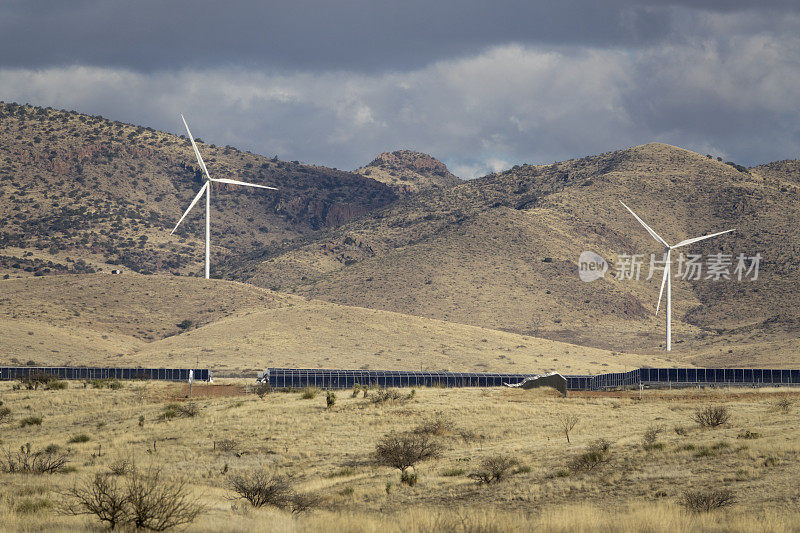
(236, 329)
(329, 453)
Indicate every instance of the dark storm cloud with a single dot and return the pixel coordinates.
(480, 85)
(362, 35)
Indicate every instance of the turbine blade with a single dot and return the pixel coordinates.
(663, 282)
(191, 205)
(648, 228)
(234, 182)
(696, 239)
(196, 151)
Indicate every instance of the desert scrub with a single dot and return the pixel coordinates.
(309, 393)
(702, 501)
(596, 454)
(178, 410)
(28, 461)
(494, 469)
(712, 416)
(140, 500)
(30, 421)
(77, 439)
(404, 450)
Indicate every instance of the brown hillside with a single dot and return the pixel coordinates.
(501, 252)
(80, 192)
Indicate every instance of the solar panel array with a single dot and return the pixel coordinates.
(70, 372)
(339, 379)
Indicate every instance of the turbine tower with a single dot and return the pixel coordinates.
(206, 189)
(668, 267)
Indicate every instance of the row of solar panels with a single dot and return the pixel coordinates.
(68, 372)
(329, 378)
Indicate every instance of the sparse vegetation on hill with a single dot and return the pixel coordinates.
(79, 193)
(502, 251)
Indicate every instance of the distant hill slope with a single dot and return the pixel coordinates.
(501, 251)
(233, 328)
(408, 171)
(81, 192)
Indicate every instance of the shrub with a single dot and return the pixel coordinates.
(408, 478)
(712, 416)
(453, 472)
(330, 399)
(177, 410)
(784, 405)
(5, 414)
(156, 504)
(438, 427)
(650, 437)
(26, 461)
(35, 379)
(596, 454)
(262, 488)
(707, 500)
(382, 396)
(747, 434)
(30, 421)
(113, 384)
(494, 469)
(225, 445)
(76, 439)
(309, 393)
(404, 450)
(120, 467)
(56, 385)
(262, 389)
(101, 497)
(144, 501)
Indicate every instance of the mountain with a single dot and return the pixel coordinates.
(501, 252)
(80, 193)
(408, 172)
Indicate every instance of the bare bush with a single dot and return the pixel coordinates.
(712, 416)
(144, 501)
(157, 504)
(120, 467)
(494, 469)
(261, 488)
(27, 461)
(568, 421)
(702, 501)
(100, 497)
(596, 454)
(404, 450)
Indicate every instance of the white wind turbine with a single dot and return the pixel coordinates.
(206, 188)
(668, 267)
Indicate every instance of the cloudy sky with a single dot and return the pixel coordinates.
(481, 85)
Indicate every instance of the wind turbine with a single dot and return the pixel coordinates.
(206, 189)
(668, 267)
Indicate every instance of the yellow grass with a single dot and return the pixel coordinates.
(328, 452)
(99, 319)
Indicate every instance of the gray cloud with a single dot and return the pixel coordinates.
(545, 85)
